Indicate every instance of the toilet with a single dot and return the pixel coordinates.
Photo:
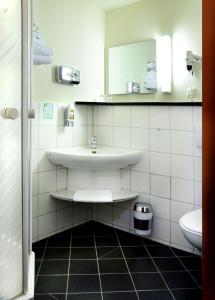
(191, 225)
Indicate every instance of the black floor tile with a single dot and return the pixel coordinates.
(83, 267)
(51, 284)
(135, 252)
(65, 233)
(148, 281)
(130, 241)
(155, 295)
(37, 266)
(179, 280)
(83, 230)
(85, 296)
(191, 263)
(50, 297)
(116, 282)
(83, 253)
(168, 264)
(106, 241)
(56, 253)
(102, 230)
(120, 296)
(62, 241)
(149, 242)
(141, 265)
(187, 294)
(83, 283)
(54, 267)
(40, 244)
(83, 242)
(123, 233)
(179, 252)
(160, 251)
(198, 276)
(109, 252)
(113, 266)
(38, 252)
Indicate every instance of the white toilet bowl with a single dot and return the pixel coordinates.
(191, 225)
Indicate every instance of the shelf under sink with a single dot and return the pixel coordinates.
(117, 196)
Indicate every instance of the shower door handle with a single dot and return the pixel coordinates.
(31, 113)
(10, 113)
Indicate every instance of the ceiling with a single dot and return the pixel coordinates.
(111, 4)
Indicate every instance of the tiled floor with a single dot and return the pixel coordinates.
(96, 262)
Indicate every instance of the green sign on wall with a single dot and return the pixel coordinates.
(48, 111)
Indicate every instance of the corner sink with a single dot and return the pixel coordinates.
(84, 158)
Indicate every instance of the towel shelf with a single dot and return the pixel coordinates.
(118, 196)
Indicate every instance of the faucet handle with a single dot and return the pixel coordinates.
(93, 138)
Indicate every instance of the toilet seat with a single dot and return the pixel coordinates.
(192, 222)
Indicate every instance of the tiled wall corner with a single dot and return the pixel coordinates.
(169, 174)
(51, 215)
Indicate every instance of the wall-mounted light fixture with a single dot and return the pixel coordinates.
(164, 63)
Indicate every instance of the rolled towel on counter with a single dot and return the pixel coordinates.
(41, 59)
(92, 196)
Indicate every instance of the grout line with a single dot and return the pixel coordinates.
(41, 262)
(67, 284)
(178, 258)
(127, 266)
(100, 282)
(159, 272)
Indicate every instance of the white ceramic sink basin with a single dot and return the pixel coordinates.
(84, 158)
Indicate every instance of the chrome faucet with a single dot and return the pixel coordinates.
(93, 142)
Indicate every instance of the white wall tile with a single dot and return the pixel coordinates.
(34, 228)
(121, 217)
(105, 135)
(140, 116)
(122, 116)
(47, 224)
(35, 137)
(181, 118)
(104, 213)
(160, 163)
(80, 213)
(35, 161)
(182, 190)
(177, 236)
(35, 184)
(140, 182)
(65, 136)
(125, 179)
(105, 115)
(61, 178)
(35, 206)
(161, 229)
(197, 116)
(89, 115)
(46, 204)
(44, 163)
(178, 209)
(160, 140)
(161, 207)
(182, 166)
(81, 115)
(198, 193)
(64, 218)
(47, 137)
(160, 186)
(159, 117)
(143, 164)
(122, 137)
(140, 138)
(80, 135)
(60, 113)
(47, 181)
(182, 142)
(198, 168)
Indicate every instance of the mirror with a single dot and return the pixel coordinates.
(132, 68)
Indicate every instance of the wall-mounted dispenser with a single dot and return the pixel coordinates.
(143, 218)
(69, 115)
(132, 87)
(191, 59)
(67, 75)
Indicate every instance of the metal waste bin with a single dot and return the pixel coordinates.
(143, 218)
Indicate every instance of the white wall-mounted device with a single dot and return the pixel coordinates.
(69, 115)
(191, 59)
(67, 75)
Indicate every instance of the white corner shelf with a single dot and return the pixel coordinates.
(117, 196)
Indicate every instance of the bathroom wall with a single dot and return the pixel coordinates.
(75, 31)
(148, 19)
(169, 174)
(49, 215)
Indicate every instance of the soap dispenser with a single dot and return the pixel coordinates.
(69, 115)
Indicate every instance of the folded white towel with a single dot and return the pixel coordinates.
(92, 196)
(42, 50)
(41, 59)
